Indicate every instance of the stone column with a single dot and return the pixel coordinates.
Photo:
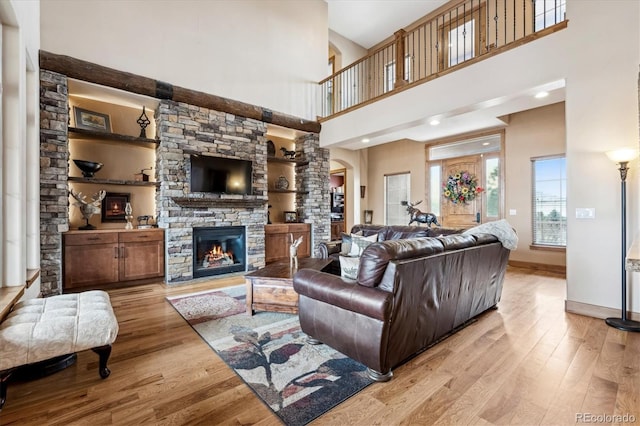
(54, 169)
(314, 206)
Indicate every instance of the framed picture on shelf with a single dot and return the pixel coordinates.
(290, 217)
(113, 206)
(91, 120)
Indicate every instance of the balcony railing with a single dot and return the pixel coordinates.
(464, 33)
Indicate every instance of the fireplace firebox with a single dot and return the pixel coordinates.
(218, 250)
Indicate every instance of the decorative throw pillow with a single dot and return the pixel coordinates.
(345, 247)
(349, 267)
(358, 244)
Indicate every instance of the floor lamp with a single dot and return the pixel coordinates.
(623, 157)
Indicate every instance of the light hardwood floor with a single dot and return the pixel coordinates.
(528, 363)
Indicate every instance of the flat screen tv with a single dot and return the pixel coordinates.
(220, 175)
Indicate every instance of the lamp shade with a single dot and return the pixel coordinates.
(623, 155)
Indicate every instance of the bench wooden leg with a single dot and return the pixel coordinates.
(4, 378)
(103, 352)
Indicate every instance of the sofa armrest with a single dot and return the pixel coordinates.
(343, 293)
(330, 247)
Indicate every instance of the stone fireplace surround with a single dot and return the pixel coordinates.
(182, 130)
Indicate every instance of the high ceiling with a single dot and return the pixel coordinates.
(368, 22)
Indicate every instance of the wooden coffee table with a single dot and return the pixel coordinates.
(271, 288)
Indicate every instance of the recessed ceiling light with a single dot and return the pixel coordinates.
(434, 122)
(365, 140)
(485, 143)
(541, 95)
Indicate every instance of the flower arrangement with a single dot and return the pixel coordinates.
(461, 188)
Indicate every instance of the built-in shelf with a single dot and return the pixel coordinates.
(288, 191)
(112, 181)
(288, 161)
(94, 135)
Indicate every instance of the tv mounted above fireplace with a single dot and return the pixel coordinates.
(220, 175)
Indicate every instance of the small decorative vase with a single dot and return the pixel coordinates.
(128, 215)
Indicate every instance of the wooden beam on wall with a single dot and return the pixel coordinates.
(105, 76)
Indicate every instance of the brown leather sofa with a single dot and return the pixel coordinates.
(332, 249)
(409, 293)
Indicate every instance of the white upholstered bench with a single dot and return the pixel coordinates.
(44, 328)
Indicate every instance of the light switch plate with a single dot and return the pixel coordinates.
(512, 212)
(585, 213)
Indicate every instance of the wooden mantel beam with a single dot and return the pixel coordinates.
(105, 76)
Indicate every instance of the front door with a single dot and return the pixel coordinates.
(464, 213)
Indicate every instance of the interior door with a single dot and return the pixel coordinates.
(467, 214)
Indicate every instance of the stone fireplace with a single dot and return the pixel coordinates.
(218, 250)
(182, 130)
(186, 130)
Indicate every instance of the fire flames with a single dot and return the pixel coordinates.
(216, 258)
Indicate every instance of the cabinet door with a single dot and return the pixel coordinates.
(88, 265)
(304, 249)
(276, 247)
(140, 260)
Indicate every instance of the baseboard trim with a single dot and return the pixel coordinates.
(596, 311)
(556, 269)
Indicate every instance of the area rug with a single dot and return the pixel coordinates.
(298, 381)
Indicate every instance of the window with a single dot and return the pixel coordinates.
(396, 191)
(461, 43)
(435, 172)
(390, 73)
(548, 13)
(549, 201)
(462, 36)
(492, 187)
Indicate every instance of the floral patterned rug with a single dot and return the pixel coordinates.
(298, 381)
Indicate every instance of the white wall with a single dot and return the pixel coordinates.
(19, 146)
(601, 114)
(598, 54)
(269, 53)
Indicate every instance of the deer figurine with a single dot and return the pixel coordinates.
(88, 208)
(293, 251)
(415, 215)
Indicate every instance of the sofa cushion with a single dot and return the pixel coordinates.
(345, 246)
(376, 257)
(349, 267)
(358, 244)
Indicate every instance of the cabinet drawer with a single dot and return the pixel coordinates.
(138, 236)
(274, 292)
(91, 238)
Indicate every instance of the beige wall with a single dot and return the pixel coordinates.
(269, 53)
(534, 133)
(355, 163)
(395, 157)
(346, 51)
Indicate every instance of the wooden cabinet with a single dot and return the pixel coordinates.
(277, 240)
(92, 258)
